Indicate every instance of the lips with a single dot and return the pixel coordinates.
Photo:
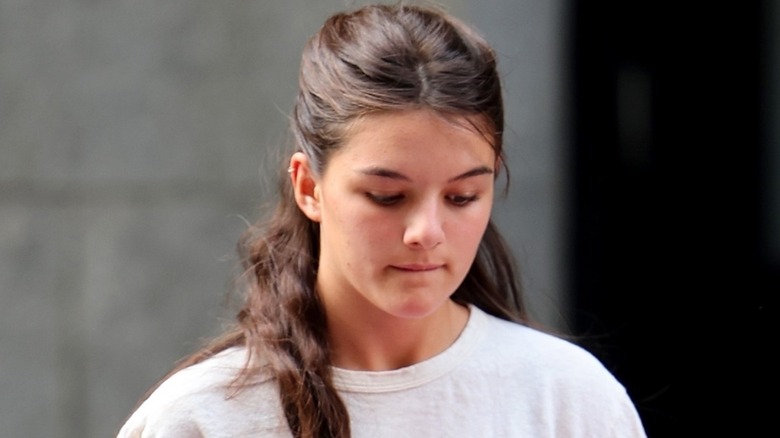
(418, 267)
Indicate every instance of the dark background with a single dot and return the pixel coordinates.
(672, 264)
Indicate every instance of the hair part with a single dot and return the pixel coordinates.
(393, 58)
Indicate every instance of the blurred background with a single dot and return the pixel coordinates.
(137, 139)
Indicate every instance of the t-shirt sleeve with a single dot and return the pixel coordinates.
(202, 401)
(167, 413)
(169, 425)
(603, 407)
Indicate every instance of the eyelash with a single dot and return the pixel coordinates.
(390, 200)
(385, 200)
(462, 201)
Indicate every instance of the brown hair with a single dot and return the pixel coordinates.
(376, 59)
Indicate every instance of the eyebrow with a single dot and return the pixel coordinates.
(387, 173)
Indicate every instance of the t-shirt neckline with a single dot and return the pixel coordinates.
(420, 373)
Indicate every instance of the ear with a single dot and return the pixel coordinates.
(305, 186)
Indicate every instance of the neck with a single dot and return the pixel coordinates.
(375, 341)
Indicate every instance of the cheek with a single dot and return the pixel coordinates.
(365, 247)
(363, 231)
(470, 228)
(375, 232)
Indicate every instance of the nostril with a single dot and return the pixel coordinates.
(424, 234)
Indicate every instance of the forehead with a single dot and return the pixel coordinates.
(421, 145)
(416, 132)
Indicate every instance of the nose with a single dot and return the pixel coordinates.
(425, 226)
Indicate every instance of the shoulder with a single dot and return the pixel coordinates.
(537, 352)
(201, 398)
(572, 385)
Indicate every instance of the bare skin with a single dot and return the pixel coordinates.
(402, 208)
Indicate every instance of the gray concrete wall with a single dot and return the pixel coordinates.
(134, 141)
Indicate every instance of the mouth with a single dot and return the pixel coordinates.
(417, 267)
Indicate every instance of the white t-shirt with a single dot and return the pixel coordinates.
(498, 379)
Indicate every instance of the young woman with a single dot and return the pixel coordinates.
(381, 300)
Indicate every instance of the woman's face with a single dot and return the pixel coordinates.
(402, 208)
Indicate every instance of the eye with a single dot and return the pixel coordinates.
(461, 201)
(385, 200)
